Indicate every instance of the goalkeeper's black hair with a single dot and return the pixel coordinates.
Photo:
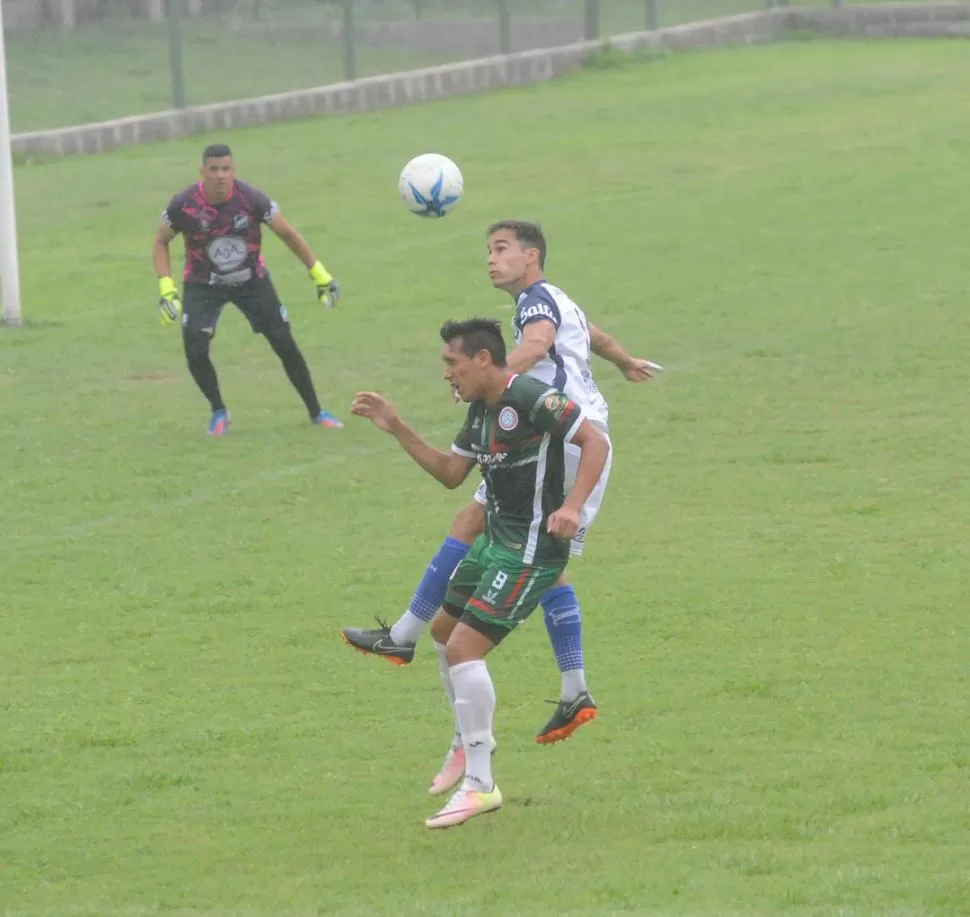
(216, 151)
(528, 235)
(476, 335)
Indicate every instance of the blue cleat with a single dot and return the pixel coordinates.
(219, 425)
(326, 419)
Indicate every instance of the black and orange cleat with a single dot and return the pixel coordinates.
(569, 716)
(378, 642)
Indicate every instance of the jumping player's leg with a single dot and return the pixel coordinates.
(452, 770)
(463, 583)
(564, 623)
(467, 525)
(261, 305)
(201, 308)
(396, 644)
(505, 595)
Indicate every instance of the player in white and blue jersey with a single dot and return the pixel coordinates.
(554, 343)
(566, 361)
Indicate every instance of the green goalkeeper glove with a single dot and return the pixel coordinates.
(169, 302)
(328, 290)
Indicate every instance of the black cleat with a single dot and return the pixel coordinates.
(569, 716)
(378, 642)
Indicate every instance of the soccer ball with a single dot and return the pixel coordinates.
(431, 185)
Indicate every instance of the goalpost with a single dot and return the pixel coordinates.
(9, 264)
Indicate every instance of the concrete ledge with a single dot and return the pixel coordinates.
(395, 89)
(897, 17)
(919, 30)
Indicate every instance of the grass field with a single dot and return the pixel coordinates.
(775, 592)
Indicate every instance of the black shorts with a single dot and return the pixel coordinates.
(202, 304)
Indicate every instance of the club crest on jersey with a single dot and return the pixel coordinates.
(240, 221)
(508, 419)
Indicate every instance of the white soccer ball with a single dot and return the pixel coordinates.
(431, 185)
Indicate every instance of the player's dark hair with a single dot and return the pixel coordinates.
(216, 151)
(477, 334)
(528, 235)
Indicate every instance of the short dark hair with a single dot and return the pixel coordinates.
(529, 235)
(216, 151)
(477, 334)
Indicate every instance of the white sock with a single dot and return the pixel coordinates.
(408, 628)
(442, 652)
(474, 709)
(573, 684)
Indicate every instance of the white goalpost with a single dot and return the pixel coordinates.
(9, 262)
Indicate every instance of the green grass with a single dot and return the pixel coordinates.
(775, 592)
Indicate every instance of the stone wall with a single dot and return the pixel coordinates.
(898, 19)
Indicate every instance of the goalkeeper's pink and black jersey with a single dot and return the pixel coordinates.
(222, 241)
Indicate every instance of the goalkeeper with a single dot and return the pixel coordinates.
(220, 220)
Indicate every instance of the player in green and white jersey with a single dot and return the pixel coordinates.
(554, 342)
(516, 430)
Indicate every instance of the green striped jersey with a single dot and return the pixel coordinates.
(518, 443)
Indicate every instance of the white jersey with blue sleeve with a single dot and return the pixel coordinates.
(566, 365)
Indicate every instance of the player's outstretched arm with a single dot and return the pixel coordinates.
(287, 234)
(169, 301)
(447, 467)
(607, 347)
(537, 338)
(161, 255)
(328, 290)
(594, 451)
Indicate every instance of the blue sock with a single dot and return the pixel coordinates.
(565, 626)
(434, 584)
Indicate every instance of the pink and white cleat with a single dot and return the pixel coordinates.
(466, 804)
(452, 771)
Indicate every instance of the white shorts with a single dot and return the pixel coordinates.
(592, 505)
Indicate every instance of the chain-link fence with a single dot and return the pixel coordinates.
(79, 61)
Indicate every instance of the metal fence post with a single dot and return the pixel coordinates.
(592, 26)
(257, 10)
(350, 42)
(653, 15)
(504, 27)
(176, 57)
